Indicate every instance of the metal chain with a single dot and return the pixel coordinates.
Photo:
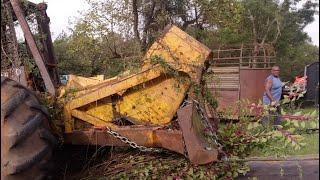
(158, 150)
(207, 123)
(184, 103)
(131, 143)
(142, 148)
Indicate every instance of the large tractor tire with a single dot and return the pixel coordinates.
(26, 140)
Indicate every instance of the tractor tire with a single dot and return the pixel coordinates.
(26, 141)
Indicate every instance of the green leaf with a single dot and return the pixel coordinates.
(277, 134)
(286, 123)
(263, 140)
(201, 176)
(285, 101)
(273, 109)
(286, 97)
(241, 171)
(229, 174)
(291, 130)
(314, 113)
(235, 174)
(299, 113)
(286, 142)
(303, 144)
(303, 124)
(295, 123)
(255, 124)
(293, 99)
(313, 124)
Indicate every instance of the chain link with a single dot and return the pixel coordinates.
(206, 122)
(131, 143)
(158, 150)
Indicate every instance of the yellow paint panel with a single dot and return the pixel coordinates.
(181, 51)
(109, 89)
(79, 82)
(91, 119)
(156, 103)
(102, 110)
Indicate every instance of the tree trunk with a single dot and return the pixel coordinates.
(148, 19)
(135, 20)
(255, 41)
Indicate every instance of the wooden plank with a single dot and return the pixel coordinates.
(224, 70)
(227, 79)
(222, 86)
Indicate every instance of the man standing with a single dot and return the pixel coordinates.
(272, 94)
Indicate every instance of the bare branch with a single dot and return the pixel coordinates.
(268, 29)
(278, 32)
(255, 38)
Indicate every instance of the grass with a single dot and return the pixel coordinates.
(311, 140)
(309, 109)
(312, 145)
(311, 148)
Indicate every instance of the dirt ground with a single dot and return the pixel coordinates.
(89, 163)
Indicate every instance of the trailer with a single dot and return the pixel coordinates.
(239, 72)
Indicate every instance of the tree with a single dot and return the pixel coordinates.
(84, 53)
(116, 30)
(294, 49)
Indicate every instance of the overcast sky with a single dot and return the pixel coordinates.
(60, 11)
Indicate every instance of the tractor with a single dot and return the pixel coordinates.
(132, 109)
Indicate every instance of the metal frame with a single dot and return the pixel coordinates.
(237, 54)
(44, 58)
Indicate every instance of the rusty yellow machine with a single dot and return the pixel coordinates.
(149, 99)
(133, 109)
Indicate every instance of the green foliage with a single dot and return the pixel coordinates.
(202, 92)
(165, 65)
(85, 55)
(295, 58)
(100, 42)
(249, 135)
